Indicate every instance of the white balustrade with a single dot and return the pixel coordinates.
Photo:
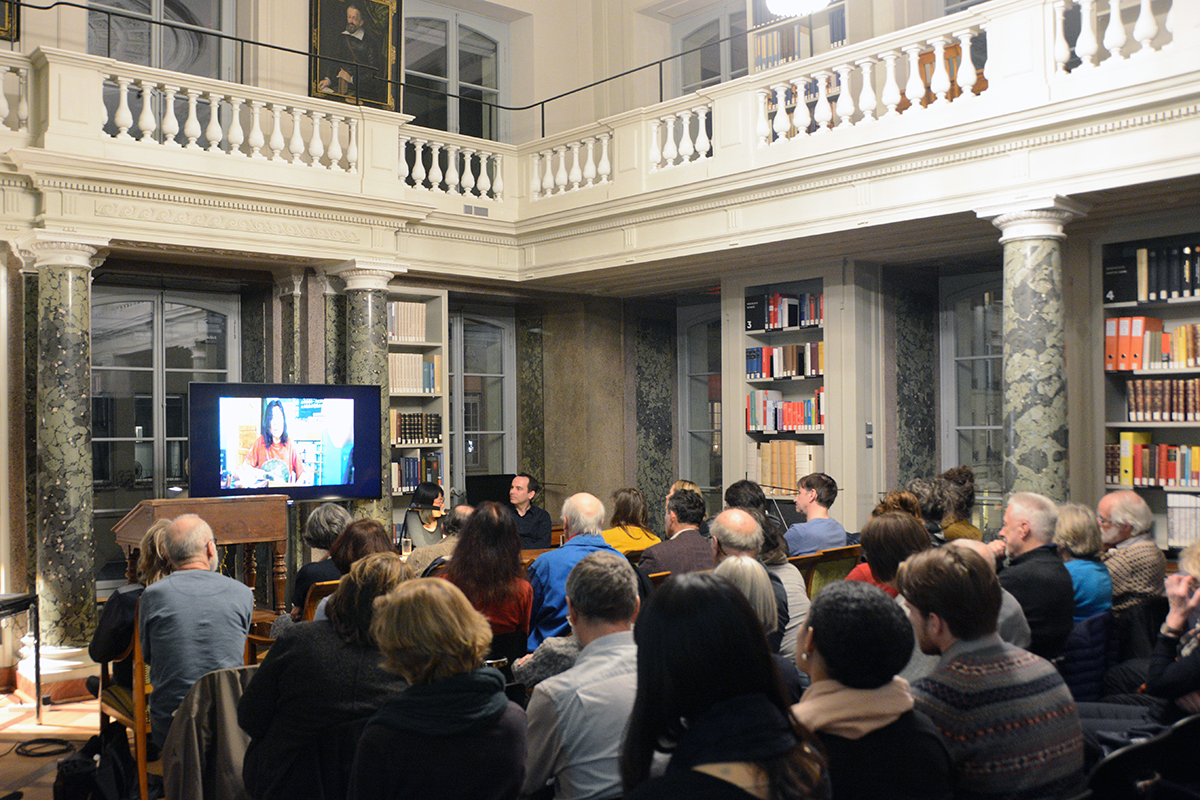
(451, 168)
(568, 167)
(1089, 50)
(20, 122)
(681, 138)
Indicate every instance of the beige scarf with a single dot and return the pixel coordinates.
(831, 707)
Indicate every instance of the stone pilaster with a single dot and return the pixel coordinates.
(335, 330)
(66, 581)
(1035, 383)
(366, 357)
(291, 324)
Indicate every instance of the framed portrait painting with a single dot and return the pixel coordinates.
(10, 22)
(355, 45)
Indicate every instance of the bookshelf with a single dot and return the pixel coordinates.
(418, 411)
(1152, 378)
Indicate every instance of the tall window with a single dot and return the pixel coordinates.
(717, 61)
(139, 41)
(972, 387)
(147, 347)
(452, 53)
(699, 328)
(483, 396)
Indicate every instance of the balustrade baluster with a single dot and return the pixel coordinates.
(498, 182)
(576, 174)
(1086, 46)
(191, 126)
(277, 142)
(404, 168)
(703, 144)
(1114, 33)
(670, 149)
(560, 175)
(823, 112)
(891, 86)
(335, 142)
(213, 131)
(782, 124)
(316, 146)
(914, 89)
(655, 145)
(468, 174)
(589, 164)
(939, 82)
(122, 117)
(866, 96)
(535, 176)
(296, 142)
(687, 145)
(146, 121)
(418, 170)
(4, 106)
(1145, 29)
(256, 140)
(845, 101)
(801, 117)
(236, 135)
(762, 127)
(170, 125)
(352, 148)
(604, 167)
(452, 175)
(548, 175)
(23, 100)
(435, 167)
(965, 77)
(485, 182)
(1062, 50)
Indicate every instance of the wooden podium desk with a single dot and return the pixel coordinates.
(234, 520)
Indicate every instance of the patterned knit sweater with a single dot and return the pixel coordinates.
(1008, 719)
(1138, 569)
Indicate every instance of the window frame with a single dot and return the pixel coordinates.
(722, 14)
(505, 320)
(688, 317)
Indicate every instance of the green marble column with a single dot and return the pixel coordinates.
(335, 332)
(1035, 381)
(291, 327)
(66, 580)
(366, 359)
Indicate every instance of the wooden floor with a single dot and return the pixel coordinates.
(34, 776)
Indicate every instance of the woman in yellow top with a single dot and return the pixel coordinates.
(629, 531)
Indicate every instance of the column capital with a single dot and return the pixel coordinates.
(365, 274)
(61, 248)
(290, 283)
(1034, 218)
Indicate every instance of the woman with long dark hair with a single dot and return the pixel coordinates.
(709, 694)
(487, 567)
(273, 458)
(629, 528)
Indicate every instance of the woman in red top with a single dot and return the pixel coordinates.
(487, 568)
(273, 459)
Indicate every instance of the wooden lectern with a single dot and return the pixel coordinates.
(234, 520)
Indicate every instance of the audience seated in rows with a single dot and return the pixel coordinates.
(1078, 539)
(1135, 564)
(316, 677)
(814, 497)
(324, 526)
(1034, 572)
(736, 532)
(1007, 717)
(533, 523)
(422, 558)
(931, 494)
(684, 549)
(960, 500)
(886, 543)
(453, 733)
(193, 621)
(360, 539)
(752, 580)
(709, 694)
(629, 526)
(577, 718)
(583, 520)
(856, 641)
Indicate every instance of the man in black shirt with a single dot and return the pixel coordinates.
(533, 523)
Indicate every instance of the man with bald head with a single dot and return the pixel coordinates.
(1135, 564)
(1034, 571)
(736, 533)
(583, 521)
(193, 621)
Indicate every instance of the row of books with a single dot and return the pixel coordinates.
(405, 321)
(1155, 400)
(1136, 461)
(786, 361)
(1152, 274)
(781, 462)
(413, 373)
(407, 472)
(768, 412)
(415, 427)
(1183, 519)
(780, 312)
(1141, 343)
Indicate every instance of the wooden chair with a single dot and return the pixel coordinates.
(139, 720)
(318, 592)
(826, 566)
(529, 556)
(634, 556)
(657, 578)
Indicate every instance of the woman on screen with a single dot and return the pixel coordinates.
(273, 459)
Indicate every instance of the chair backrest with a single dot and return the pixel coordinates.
(529, 556)
(826, 566)
(634, 556)
(139, 720)
(316, 594)
(658, 577)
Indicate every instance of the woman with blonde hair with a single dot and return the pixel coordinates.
(453, 733)
(1078, 538)
(629, 526)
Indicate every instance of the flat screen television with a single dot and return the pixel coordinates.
(308, 441)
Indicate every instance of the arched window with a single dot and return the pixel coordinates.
(718, 61)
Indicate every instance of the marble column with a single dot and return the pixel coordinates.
(66, 581)
(291, 324)
(366, 358)
(1035, 382)
(335, 330)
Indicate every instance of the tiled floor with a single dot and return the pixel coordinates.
(34, 776)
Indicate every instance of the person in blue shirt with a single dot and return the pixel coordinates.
(1078, 538)
(816, 493)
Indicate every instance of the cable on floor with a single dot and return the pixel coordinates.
(41, 748)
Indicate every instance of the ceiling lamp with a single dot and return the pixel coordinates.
(795, 8)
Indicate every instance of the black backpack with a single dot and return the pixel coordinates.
(103, 769)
